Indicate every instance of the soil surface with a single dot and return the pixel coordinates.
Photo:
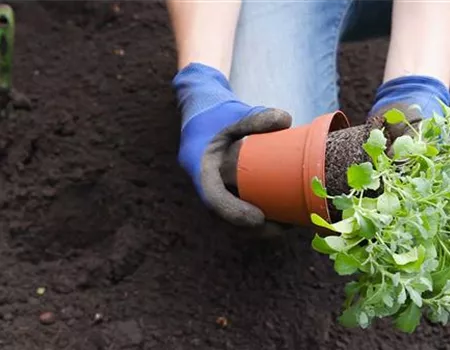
(95, 209)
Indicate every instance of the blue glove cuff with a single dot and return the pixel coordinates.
(199, 88)
(418, 90)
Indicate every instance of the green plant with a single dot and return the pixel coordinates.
(396, 242)
(7, 27)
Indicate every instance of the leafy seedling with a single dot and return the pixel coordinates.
(6, 54)
(396, 244)
(9, 98)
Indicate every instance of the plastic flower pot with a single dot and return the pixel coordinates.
(275, 170)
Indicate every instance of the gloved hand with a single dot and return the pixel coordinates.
(416, 96)
(212, 119)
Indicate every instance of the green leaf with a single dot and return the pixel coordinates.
(402, 146)
(350, 317)
(374, 185)
(335, 242)
(443, 317)
(351, 289)
(367, 227)
(415, 296)
(396, 279)
(369, 203)
(430, 223)
(440, 278)
(445, 181)
(401, 296)
(328, 245)
(409, 319)
(388, 203)
(395, 116)
(388, 300)
(423, 186)
(319, 244)
(376, 143)
(363, 320)
(420, 147)
(430, 265)
(344, 226)
(381, 220)
(431, 151)
(360, 177)
(431, 127)
(374, 294)
(319, 221)
(382, 310)
(347, 213)
(415, 266)
(346, 264)
(342, 202)
(446, 288)
(405, 258)
(422, 284)
(438, 314)
(318, 188)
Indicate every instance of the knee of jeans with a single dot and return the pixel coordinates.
(285, 56)
(305, 95)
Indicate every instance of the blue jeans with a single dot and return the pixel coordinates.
(285, 53)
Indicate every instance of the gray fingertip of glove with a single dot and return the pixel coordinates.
(219, 167)
(227, 205)
(266, 121)
(220, 199)
(228, 172)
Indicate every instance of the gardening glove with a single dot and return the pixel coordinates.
(416, 96)
(212, 119)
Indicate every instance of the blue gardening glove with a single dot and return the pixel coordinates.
(401, 93)
(212, 119)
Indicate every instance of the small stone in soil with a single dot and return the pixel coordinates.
(40, 291)
(98, 317)
(119, 52)
(116, 8)
(47, 318)
(222, 321)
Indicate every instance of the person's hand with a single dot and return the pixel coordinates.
(417, 97)
(213, 118)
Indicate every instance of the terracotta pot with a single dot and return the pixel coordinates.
(275, 170)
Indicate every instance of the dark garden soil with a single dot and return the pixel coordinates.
(95, 209)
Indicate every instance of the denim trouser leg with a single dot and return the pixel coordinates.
(285, 53)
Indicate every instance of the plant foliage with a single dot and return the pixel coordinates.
(396, 244)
